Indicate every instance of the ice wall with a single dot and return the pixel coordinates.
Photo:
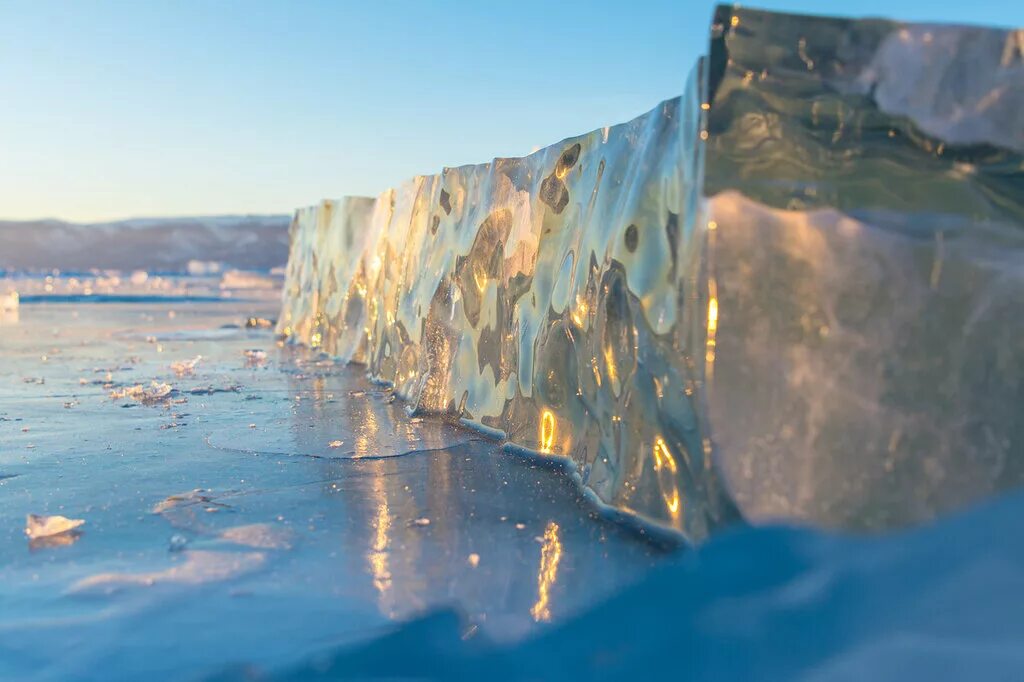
(549, 297)
(792, 291)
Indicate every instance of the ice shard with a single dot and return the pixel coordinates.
(794, 291)
(866, 182)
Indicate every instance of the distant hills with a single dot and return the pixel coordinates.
(158, 244)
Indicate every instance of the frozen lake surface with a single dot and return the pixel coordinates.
(257, 505)
(254, 511)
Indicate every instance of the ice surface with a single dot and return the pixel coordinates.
(197, 567)
(793, 292)
(209, 542)
(770, 603)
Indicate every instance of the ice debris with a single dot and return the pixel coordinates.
(156, 393)
(38, 526)
(254, 357)
(184, 368)
(259, 323)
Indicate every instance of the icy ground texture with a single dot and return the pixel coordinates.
(795, 290)
(768, 603)
(253, 508)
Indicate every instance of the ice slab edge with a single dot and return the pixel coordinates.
(866, 182)
(792, 292)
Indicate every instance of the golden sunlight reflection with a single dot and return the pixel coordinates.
(480, 277)
(665, 462)
(580, 313)
(547, 431)
(710, 347)
(610, 368)
(662, 457)
(712, 317)
(378, 557)
(367, 432)
(547, 574)
(319, 394)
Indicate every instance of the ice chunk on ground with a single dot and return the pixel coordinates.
(157, 392)
(259, 323)
(254, 357)
(39, 526)
(186, 367)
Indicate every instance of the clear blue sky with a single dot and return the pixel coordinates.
(117, 109)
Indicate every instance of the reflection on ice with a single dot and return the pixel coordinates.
(547, 574)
